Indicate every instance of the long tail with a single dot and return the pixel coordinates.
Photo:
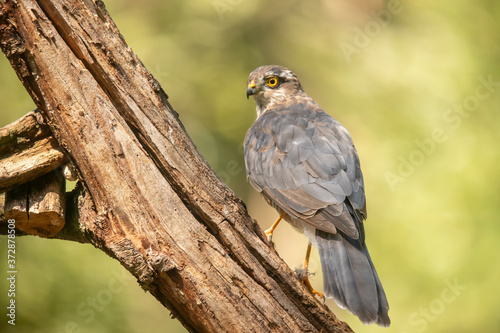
(350, 278)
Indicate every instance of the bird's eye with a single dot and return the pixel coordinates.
(272, 81)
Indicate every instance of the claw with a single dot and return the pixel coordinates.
(313, 291)
(269, 232)
(304, 275)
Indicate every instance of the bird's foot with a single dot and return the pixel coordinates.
(312, 290)
(269, 234)
(303, 275)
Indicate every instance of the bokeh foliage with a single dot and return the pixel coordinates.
(407, 80)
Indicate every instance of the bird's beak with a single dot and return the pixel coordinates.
(251, 89)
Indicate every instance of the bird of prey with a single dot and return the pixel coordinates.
(304, 163)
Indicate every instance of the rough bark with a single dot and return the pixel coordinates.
(27, 151)
(79, 207)
(159, 208)
(38, 207)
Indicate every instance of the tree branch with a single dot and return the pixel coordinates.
(39, 207)
(161, 210)
(79, 207)
(27, 151)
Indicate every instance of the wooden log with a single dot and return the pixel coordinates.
(38, 207)
(79, 207)
(27, 151)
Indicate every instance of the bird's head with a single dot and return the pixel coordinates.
(272, 84)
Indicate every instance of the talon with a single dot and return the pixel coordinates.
(304, 276)
(269, 232)
(313, 291)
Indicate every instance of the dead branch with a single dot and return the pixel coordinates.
(38, 207)
(27, 151)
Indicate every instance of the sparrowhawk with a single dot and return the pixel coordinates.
(305, 165)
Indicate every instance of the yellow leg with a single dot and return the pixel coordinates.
(305, 280)
(269, 232)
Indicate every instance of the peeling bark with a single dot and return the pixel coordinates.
(27, 151)
(38, 207)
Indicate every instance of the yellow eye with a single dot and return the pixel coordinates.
(272, 81)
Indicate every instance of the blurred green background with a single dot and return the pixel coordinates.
(417, 84)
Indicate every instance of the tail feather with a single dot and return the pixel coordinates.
(351, 279)
(383, 317)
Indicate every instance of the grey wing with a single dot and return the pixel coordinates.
(306, 163)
